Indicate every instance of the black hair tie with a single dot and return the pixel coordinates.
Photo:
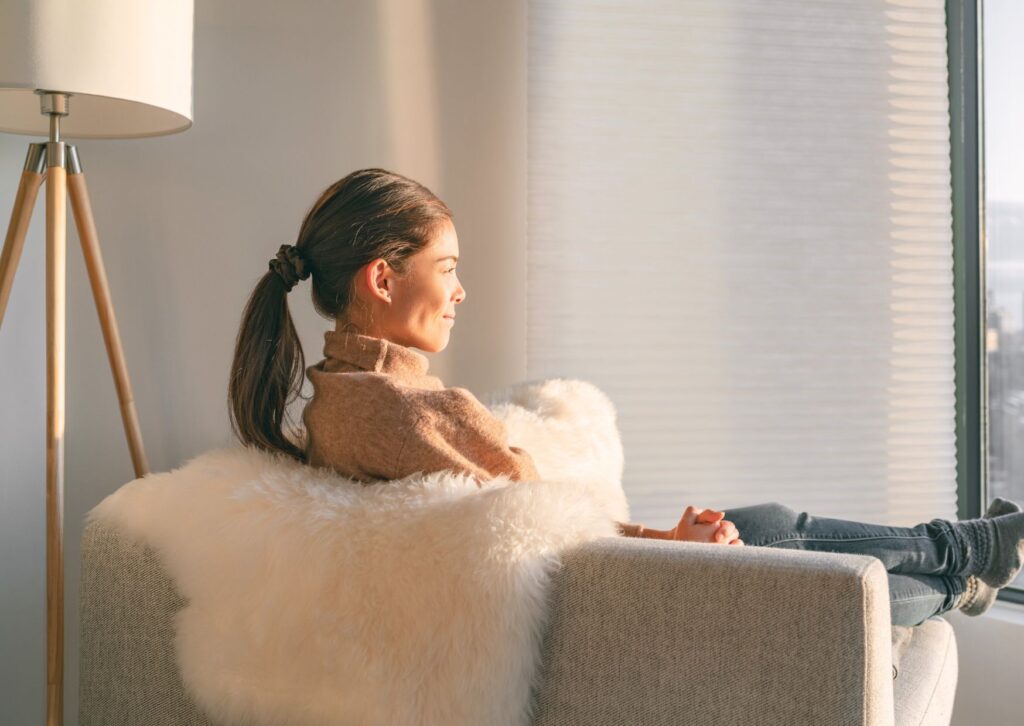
(290, 265)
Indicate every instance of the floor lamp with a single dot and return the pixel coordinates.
(100, 69)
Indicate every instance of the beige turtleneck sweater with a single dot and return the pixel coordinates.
(377, 415)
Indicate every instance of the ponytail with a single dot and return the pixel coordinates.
(369, 214)
(267, 370)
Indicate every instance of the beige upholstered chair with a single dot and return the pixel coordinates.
(640, 632)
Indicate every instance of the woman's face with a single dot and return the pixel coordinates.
(417, 309)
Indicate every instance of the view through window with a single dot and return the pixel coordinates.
(1002, 106)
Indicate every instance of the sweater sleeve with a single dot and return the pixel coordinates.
(452, 429)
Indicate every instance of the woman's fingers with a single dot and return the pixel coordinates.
(737, 542)
(727, 532)
(704, 525)
(710, 516)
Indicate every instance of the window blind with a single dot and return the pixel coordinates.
(739, 228)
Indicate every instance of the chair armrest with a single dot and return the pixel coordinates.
(654, 632)
(127, 670)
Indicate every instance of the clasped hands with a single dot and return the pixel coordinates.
(700, 525)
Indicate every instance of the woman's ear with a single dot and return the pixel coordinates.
(378, 279)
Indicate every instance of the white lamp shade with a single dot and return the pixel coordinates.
(127, 65)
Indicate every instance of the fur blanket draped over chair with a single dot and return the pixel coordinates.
(316, 599)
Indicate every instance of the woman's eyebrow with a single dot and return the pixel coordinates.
(449, 257)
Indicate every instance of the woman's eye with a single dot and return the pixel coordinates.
(450, 270)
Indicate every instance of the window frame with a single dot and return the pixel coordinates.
(967, 145)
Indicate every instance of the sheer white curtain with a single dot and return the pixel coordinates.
(740, 229)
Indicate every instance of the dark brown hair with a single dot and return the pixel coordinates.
(369, 214)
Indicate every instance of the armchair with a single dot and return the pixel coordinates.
(639, 632)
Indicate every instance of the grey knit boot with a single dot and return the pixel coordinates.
(978, 596)
(995, 547)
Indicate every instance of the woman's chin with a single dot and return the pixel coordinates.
(446, 335)
(435, 345)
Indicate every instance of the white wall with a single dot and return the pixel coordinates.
(23, 463)
(991, 656)
(288, 98)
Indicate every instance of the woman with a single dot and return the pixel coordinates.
(382, 252)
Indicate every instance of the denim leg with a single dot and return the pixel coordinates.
(931, 548)
(922, 561)
(915, 598)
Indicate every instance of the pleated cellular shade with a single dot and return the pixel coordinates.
(740, 229)
(127, 64)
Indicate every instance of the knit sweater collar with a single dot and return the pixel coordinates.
(377, 355)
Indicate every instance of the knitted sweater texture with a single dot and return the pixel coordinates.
(376, 414)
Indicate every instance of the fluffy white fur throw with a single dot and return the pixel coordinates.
(315, 599)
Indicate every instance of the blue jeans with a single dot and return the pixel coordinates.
(923, 562)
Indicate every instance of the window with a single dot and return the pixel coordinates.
(1001, 170)
(739, 228)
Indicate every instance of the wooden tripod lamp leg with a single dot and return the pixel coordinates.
(56, 234)
(101, 292)
(21, 215)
